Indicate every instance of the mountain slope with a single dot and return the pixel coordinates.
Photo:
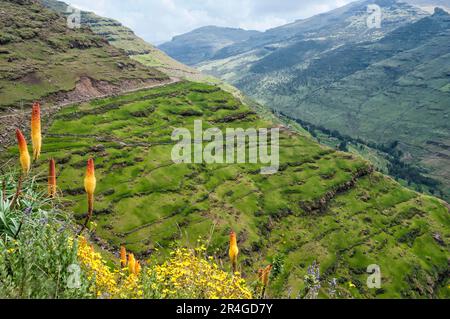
(315, 67)
(404, 97)
(145, 53)
(37, 73)
(322, 205)
(313, 36)
(123, 38)
(407, 69)
(203, 43)
(40, 58)
(339, 26)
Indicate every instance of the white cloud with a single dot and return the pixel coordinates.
(159, 20)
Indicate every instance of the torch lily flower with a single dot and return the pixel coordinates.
(131, 263)
(51, 179)
(234, 250)
(137, 267)
(123, 256)
(25, 161)
(89, 185)
(36, 137)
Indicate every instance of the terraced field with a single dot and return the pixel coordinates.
(322, 205)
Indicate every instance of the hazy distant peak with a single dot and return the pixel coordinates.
(203, 43)
(440, 12)
(431, 5)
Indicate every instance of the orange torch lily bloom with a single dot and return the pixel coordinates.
(89, 185)
(25, 161)
(131, 263)
(36, 137)
(137, 267)
(123, 256)
(234, 250)
(51, 179)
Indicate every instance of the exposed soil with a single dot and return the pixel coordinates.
(31, 78)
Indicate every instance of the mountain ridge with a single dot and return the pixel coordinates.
(124, 38)
(430, 5)
(357, 30)
(206, 40)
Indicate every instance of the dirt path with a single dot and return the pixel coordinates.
(86, 90)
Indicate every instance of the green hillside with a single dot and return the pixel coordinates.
(404, 96)
(40, 56)
(323, 205)
(124, 38)
(136, 48)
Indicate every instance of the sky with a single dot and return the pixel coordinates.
(157, 21)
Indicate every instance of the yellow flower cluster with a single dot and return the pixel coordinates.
(187, 276)
(107, 283)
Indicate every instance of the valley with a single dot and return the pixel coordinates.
(314, 67)
(324, 206)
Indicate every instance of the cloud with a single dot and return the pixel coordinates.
(158, 21)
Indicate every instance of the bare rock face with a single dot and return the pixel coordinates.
(438, 238)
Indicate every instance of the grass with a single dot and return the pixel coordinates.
(322, 205)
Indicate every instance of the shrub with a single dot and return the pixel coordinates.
(187, 275)
(35, 257)
(103, 281)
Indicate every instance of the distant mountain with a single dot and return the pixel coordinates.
(339, 26)
(429, 5)
(393, 89)
(378, 86)
(203, 43)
